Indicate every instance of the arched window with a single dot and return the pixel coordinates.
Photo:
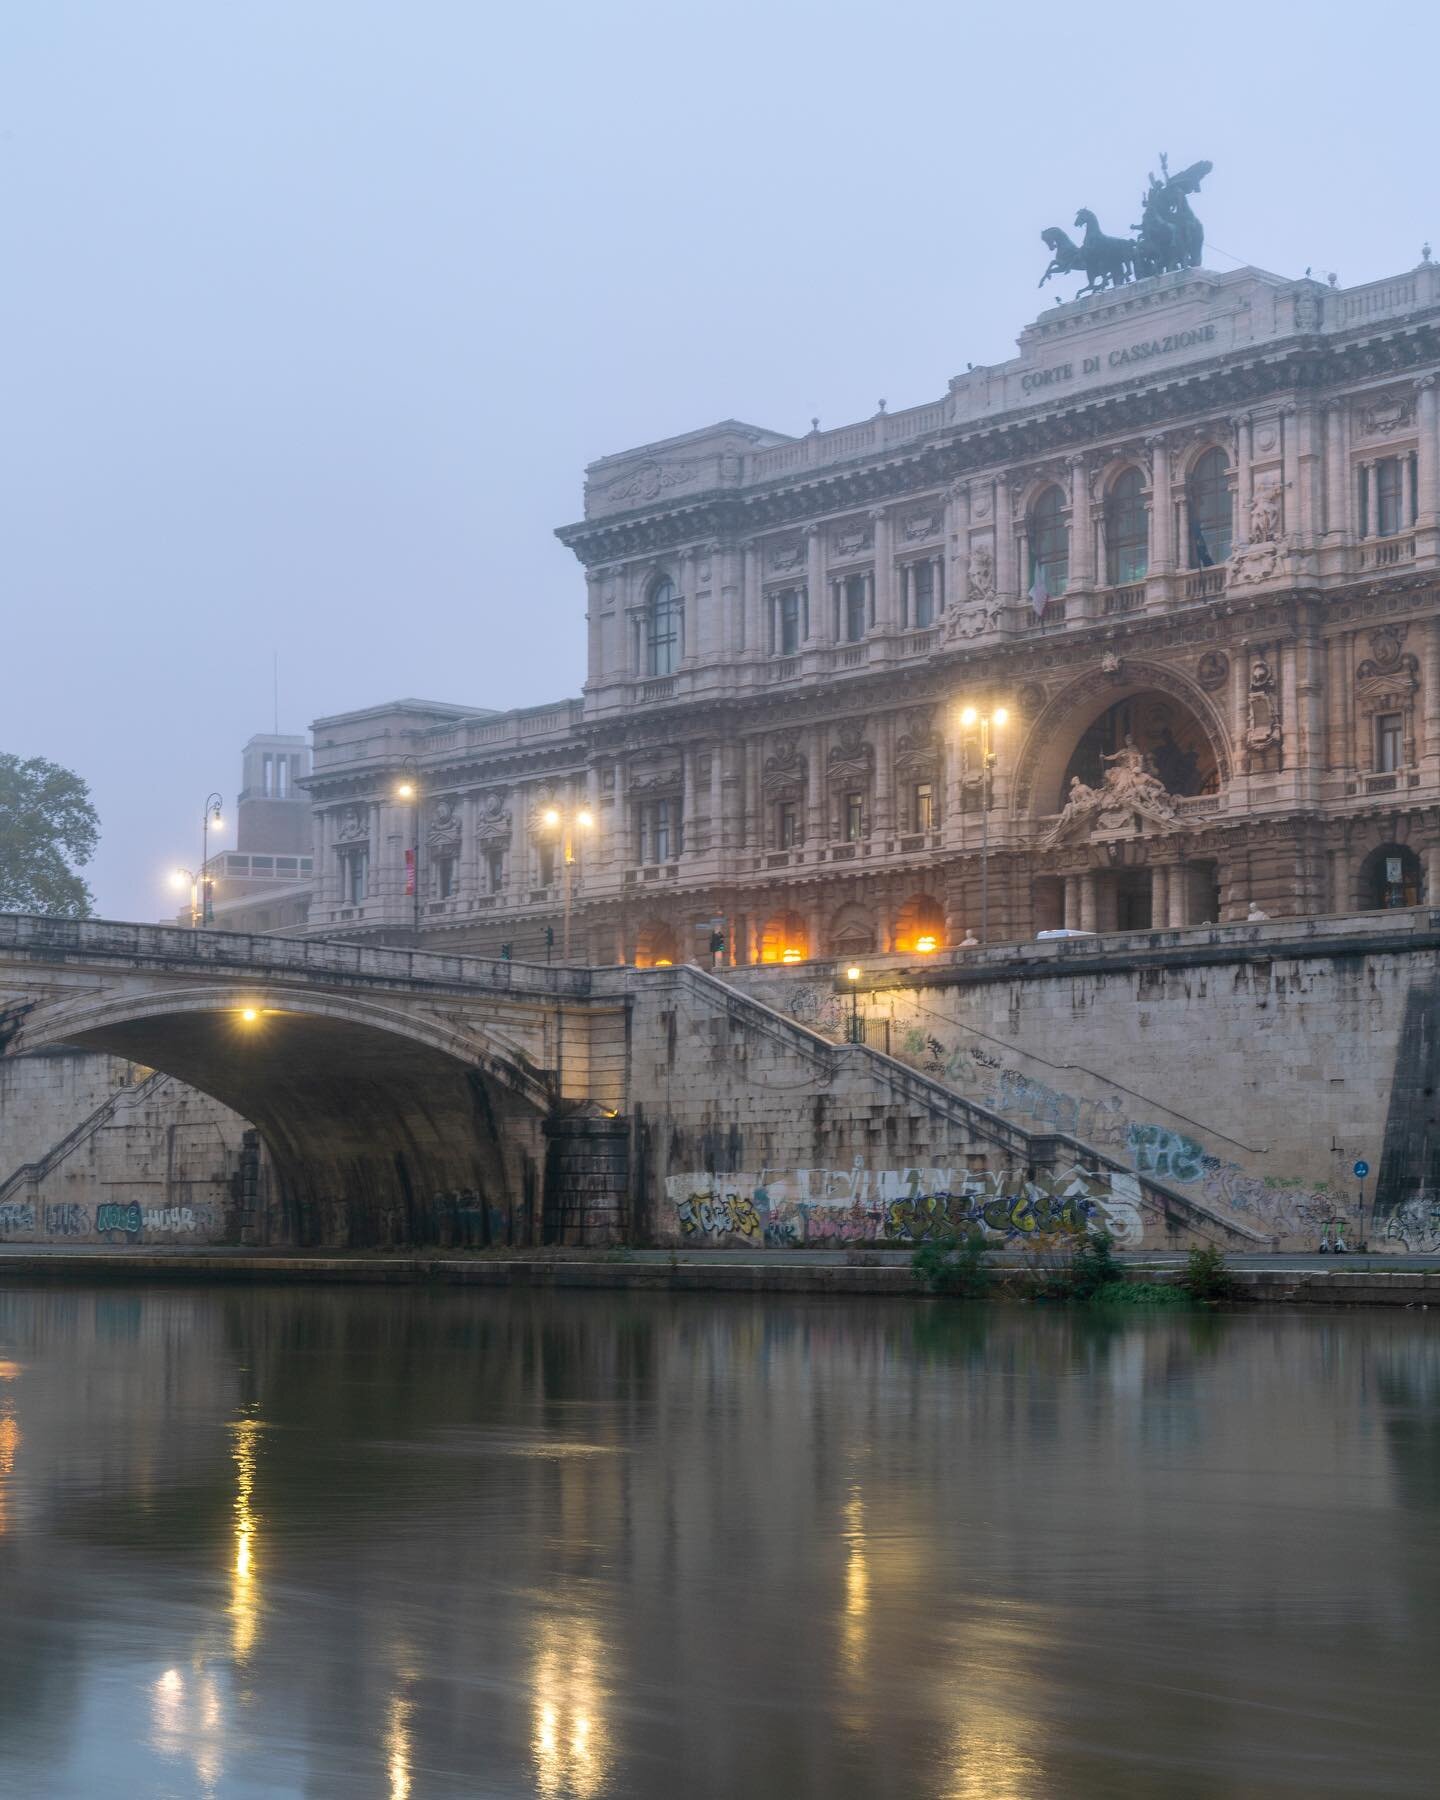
(1049, 545)
(1391, 876)
(920, 926)
(1127, 531)
(784, 939)
(1207, 497)
(662, 629)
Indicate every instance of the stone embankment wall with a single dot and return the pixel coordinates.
(96, 1150)
(750, 1130)
(1247, 1068)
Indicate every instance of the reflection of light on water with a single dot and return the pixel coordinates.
(397, 1745)
(569, 1744)
(9, 1444)
(9, 1371)
(989, 1759)
(188, 1717)
(857, 1585)
(244, 1596)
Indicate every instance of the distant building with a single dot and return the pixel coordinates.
(264, 883)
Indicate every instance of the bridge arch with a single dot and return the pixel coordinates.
(386, 1124)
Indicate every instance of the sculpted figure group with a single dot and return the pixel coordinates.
(1130, 786)
(1168, 236)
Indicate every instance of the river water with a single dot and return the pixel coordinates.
(285, 1542)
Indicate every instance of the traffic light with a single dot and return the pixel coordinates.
(717, 944)
(504, 953)
(549, 937)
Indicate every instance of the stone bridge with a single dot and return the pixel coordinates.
(411, 1098)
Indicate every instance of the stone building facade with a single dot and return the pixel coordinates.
(1135, 630)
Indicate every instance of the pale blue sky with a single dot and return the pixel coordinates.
(314, 310)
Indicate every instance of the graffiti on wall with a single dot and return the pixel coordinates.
(67, 1220)
(113, 1216)
(807, 1207)
(1414, 1225)
(15, 1216)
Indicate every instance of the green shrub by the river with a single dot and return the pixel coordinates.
(953, 1265)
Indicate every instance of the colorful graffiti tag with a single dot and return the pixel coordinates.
(806, 1207)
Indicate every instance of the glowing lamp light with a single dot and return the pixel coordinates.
(663, 962)
(550, 816)
(792, 956)
(969, 716)
(852, 973)
(585, 818)
(1000, 715)
(926, 945)
(249, 1014)
(178, 878)
(406, 790)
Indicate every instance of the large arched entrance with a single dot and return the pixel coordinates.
(1116, 772)
(1174, 743)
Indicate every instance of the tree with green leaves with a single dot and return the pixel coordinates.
(47, 824)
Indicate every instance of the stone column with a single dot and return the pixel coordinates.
(1367, 476)
(1336, 508)
(884, 571)
(1340, 880)
(1240, 662)
(689, 607)
(1159, 896)
(1082, 528)
(1348, 758)
(819, 597)
(1005, 578)
(717, 797)
(1432, 875)
(817, 830)
(882, 801)
(1088, 908)
(752, 632)
(1072, 902)
(1289, 472)
(958, 586)
(1409, 517)
(1309, 701)
(1162, 512)
(1242, 478)
(1430, 694)
(1427, 473)
(1178, 885)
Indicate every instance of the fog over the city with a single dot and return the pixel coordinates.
(314, 310)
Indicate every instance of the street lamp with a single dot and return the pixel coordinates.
(985, 720)
(179, 878)
(852, 975)
(565, 823)
(211, 816)
(408, 788)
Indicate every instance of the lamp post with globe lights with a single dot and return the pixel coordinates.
(566, 824)
(408, 788)
(986, 720)
(210, 816)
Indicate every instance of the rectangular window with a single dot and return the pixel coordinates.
(282, 777)
(494, 871)
(854, 816)
(922, 806)
(1389, 496)
(852, 604)
(547, 865)
(444, 877)
(922, 594)
(354, 876)
(787, 607)
(1389, 742)
(787, 824)
(267, 775)
(659, 835)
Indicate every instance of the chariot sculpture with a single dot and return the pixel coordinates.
(1168, 236)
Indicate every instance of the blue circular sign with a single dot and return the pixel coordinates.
(1362, 1169)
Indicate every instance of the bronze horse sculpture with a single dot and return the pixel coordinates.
(1169, 236)
(1107, 261)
